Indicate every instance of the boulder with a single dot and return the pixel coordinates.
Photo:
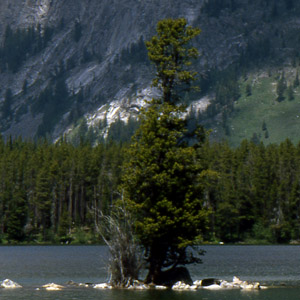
(197, 282)
(172, 276)
(235, 284)
(250, 286)
(229, 285)
(182, 286)
(213, 287)
(215, 284)
(79, 284)
(237, 280)
(209, 281)
(193, 287)
(138, 285)
(102, 286)
(52, 287)
(160, 287)
(9, 284)
(245, 284)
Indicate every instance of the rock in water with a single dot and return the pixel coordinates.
(170, 277)
(209, 281)
(53, 287)
(213, 287)
(9, 284)
(236, 283)
(160, 287)
(102, 286)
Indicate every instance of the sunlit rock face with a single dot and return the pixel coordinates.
(104, 59)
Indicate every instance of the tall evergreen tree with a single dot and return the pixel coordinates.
(162, 178)
(172, 57)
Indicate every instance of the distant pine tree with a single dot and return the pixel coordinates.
(77, 31)
(281, 87)
(266, 134)
(290, 93)
(248, 90)
(255, 138)
(296, 81)
(6, 107)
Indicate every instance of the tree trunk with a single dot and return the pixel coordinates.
(156, 259)
(156, 274)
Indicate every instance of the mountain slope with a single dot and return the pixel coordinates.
(83, 55)
(260, 116)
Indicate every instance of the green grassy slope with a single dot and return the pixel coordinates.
(282, 119)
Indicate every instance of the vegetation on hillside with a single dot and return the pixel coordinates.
(20, 44)
(269, 101)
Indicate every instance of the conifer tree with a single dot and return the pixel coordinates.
(296, 81)
(290, 93)
(43, 200)
(17, 215)
(280, 89)
(162, 178)
(248, 90)
(172, 57)
(6, 107)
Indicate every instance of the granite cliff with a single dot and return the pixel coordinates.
(84, 55)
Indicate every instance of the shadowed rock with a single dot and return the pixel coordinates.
(209, 281)
(170, 277)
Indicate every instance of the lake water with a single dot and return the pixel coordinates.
(33, 266)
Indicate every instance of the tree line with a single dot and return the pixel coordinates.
(51, 192)
(255, 194)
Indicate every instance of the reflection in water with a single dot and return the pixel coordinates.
(92, 294)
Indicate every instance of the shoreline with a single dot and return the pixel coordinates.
(223, 285)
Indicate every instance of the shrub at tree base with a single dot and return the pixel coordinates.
(125, 254)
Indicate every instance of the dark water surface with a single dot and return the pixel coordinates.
(33, 266)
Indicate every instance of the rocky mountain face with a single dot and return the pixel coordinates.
(63, 59)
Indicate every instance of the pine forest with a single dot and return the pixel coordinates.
(52, 193)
